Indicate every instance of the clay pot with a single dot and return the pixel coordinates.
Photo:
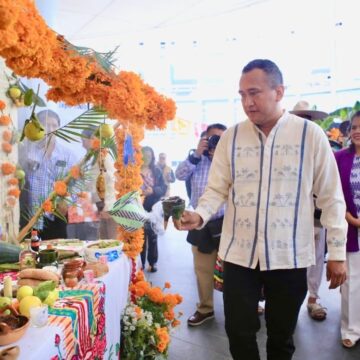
(12, 328)
(75, 266)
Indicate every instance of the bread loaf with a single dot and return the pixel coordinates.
(30, 282)
(38, 274)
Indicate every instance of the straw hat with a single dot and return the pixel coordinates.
(303, 109)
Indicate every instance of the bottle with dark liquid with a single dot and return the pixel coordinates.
(35, 241)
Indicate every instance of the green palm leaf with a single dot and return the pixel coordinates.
(85, 121)
(105, 60)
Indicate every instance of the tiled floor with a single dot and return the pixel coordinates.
(314, 340)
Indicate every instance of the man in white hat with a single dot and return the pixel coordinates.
(314, 272)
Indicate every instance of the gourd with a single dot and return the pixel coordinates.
(9, 253)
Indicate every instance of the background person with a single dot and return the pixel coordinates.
(267, 169)
(348, 161)
(44, 162)
(205, 243)
(154, 188)
(168, 173)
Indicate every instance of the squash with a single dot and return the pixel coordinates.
(9, 253)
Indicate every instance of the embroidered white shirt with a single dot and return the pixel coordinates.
(268, 184)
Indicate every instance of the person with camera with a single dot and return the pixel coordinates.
(205, 242)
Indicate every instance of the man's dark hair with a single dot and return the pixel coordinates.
(269, 67)
(216, 126)
(44, 114)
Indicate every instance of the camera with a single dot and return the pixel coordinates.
(212, 143)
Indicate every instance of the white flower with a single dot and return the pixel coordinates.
(132, 328)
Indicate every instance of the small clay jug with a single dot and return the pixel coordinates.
(74, 266)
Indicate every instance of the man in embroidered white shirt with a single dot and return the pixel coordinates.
(266, 169)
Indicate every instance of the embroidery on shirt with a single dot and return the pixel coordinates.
(286, 150)
(243, 243)
(245, 200)
(283, 200)
(336, 242)
(245, 174)
(247, 151)
(244, 223)
(282, 223)
(286, 172)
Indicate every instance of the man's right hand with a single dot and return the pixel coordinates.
(189, 221)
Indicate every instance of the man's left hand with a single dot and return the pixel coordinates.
(335, 273)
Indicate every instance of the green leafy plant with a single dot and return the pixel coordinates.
(343, 114)
(20, 94)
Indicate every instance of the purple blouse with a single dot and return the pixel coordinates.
(345, 161)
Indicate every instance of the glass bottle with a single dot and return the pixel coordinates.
(35, 241)
(27, 257)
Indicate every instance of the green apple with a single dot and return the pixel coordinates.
(20, 174)
(4, 301)
(106, 131)
(15, 92)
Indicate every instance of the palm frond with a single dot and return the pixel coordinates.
(111, 145)
(105, 60)
(85, 121)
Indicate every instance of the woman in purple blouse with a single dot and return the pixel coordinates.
(348, 161)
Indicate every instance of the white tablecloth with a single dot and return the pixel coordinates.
(38, 343)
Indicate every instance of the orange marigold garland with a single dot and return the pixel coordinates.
(75, 172)
(7, 135)
(14, 192)
(5, 120)
(60, 188)
(128, 178)
(6, 147)
(47, 206)
(7, 168)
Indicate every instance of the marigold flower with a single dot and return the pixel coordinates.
(75, 172)
(5, 120)
(6, 147)
(47, 206)
(2, 105)
(8, 168)
(13, 181)
(7, 135)
(60, 188)
(95, 144)
(14, 192)
(155, 294)
(167, 285)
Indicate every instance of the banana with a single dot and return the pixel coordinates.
(100, 185)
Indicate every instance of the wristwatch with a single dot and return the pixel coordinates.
(193, 158)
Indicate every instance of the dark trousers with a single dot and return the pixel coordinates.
(284, 291)
(53, 229)
(150, 246)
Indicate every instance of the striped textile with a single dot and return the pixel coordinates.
(76, 312)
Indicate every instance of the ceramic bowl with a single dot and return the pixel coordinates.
(93, 252)
(8, 334)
